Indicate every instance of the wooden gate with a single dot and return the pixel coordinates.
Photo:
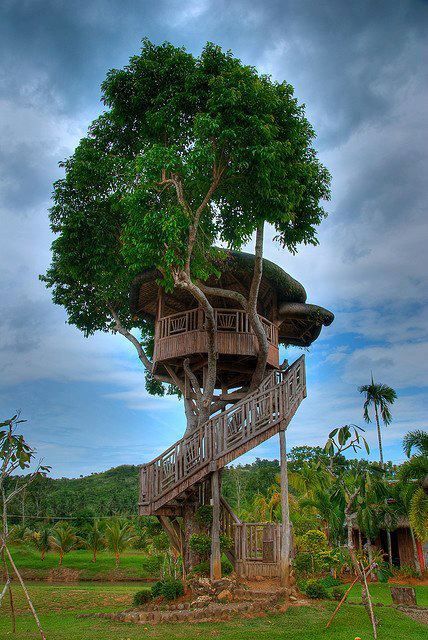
(257, 548)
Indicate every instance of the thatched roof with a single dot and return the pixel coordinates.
(301, 322)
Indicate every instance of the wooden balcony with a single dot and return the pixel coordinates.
(182, 334)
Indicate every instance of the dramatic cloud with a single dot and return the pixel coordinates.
(360, 68)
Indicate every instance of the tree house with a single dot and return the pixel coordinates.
(190, 467)
(179, 323)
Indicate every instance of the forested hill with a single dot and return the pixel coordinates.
(112, 492)
(115, 492)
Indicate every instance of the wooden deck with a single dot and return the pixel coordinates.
(182, 334)
(223, 438)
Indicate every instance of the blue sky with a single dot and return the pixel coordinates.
(361, 70)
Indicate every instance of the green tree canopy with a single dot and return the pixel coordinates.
(189, 151)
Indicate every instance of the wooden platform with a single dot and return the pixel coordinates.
(182, 334)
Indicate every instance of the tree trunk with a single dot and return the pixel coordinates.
(94, 555)
(285, 529)
(191, 526)
(415, 552)
(60, 558)
(253, 316)
(388, 539)
(215, 564)
(379, 435)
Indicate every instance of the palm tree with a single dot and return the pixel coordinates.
(414, 476)
(119, 535)
(42, 540)
(381, 397)
(95, 539)
(63, 539)
(327, 504)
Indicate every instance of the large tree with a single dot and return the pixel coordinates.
(189, 152)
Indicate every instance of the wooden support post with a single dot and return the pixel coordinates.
(215, 565)
(285, 550)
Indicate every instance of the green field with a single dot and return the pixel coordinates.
(59, 606)
(134, 565)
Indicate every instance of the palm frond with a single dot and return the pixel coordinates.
(414, 469)
(416, 439)
(418, 514)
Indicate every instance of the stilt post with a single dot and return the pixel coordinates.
(285, 547)
(215, 565)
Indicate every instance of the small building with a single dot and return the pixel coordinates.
(403, 551)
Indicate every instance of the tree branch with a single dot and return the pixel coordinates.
(218, 172)
(254, 318)
(193, 379)
(224, 293)
(129, 336)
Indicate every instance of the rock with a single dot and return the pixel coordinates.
(225, 596)
(201, 601)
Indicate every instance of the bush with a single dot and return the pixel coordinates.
(200, 543)
(170, 589)
(383, 572)
(203, 568)
(161, 541)
(226, 542)
(406, 571)
(316, 590)
(302, 563)
(329, 581)
(141, 597)
(313, 541)
(157, 589)
(226, 567)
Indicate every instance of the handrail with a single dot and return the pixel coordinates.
(224, 433)
(193, 320)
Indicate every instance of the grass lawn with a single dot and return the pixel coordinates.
(59, 605)
(381, 593)
(133, 564)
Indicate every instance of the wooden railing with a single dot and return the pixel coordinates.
(228, 320)
(225, 436)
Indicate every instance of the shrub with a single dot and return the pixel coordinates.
(313, 541)
(226, 567)
(156, 589)
(161, 541)
(406, 571)
(200, 543)
(141, 597)
(172, 589)
(226, 542)
(383, 572)
(203, 568)
(316, 590)
(302, 563)
(337, 592)
(329, 581)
